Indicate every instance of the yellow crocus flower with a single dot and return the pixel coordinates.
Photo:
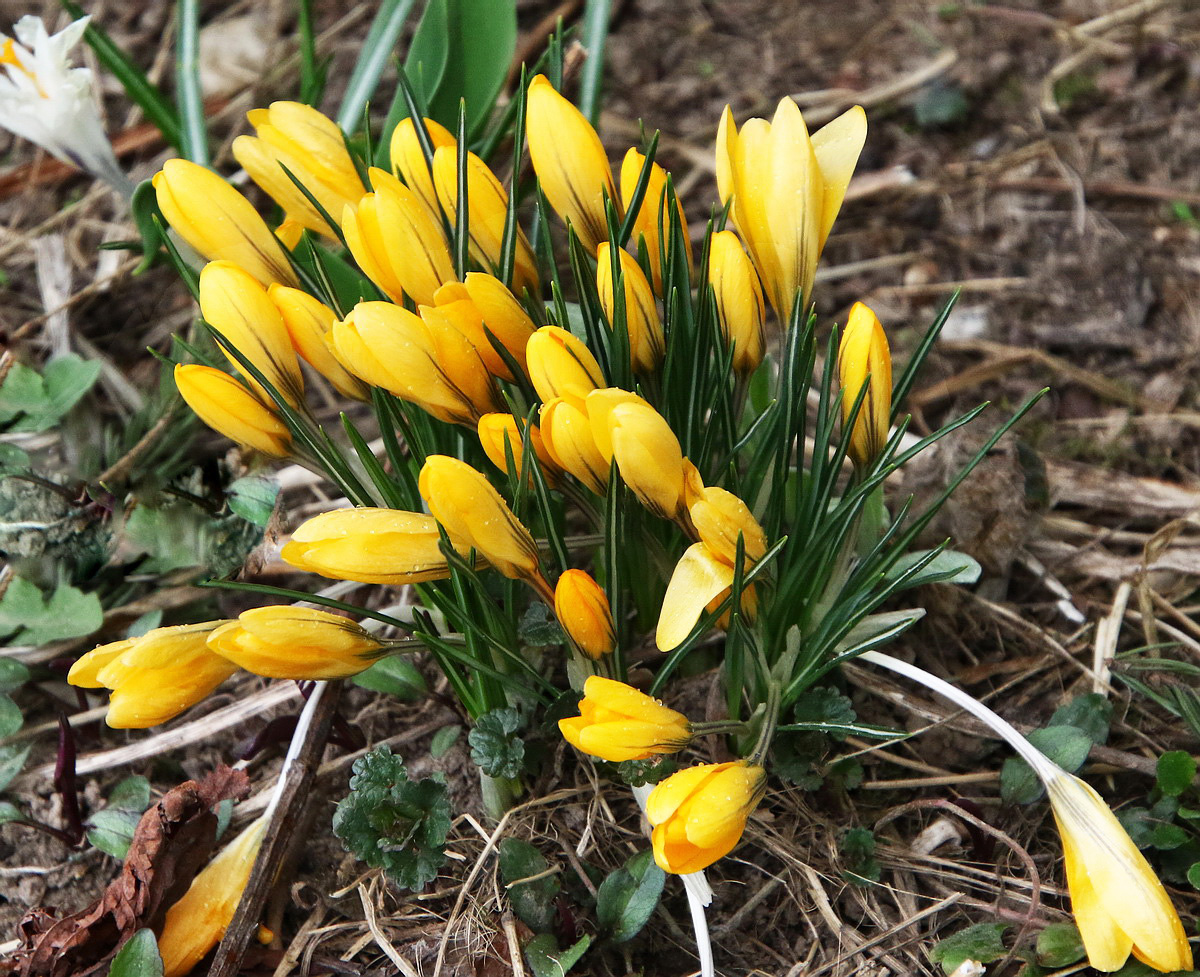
(864, 359)
(296, 643)
(497, 430)
(646, 450)
(313, 149)
(474, 516)
(646, 344)
(560, 365)
(410, 161)
(567, 435)
(719, 518)
(570, 163)
(197, 922)
(308, 320)
(219, 222)
(619, 723)
(455, 307)
(153, 677)
(396, 242)
(226, 406)
(787, 189)
(739, 300)
(652, 216)
(234, 303)
(700, 579)
(369, 545)
(699, 814)
(583, 611)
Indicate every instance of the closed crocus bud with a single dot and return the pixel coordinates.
(739, 301)
(296, 643)
(396, 242)
(567, 435)
(619, 723)
(720, 517)
(218, 221)
(497, 430)
(455, 309)
(570, 162)
(700, 581)
(864, 360)
(599, 405)
(501, 312)
(561, 365)
(154, 677)
(237, 306)
(438, 369)
(369, 545)
(474, 516)
(787, 189)
(409, 159)
(645, 449)
(583, 611)
(699, 814)
(653, 223)
(641, 315)
(197, 922)
(297, 137)
(487, 208)
(230, 409)
(308, 320)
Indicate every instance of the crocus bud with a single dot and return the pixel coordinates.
(864, 360)
(234, 303)
(570, 163)
(296, 643)
(454, 308)
(619, 723)
(436, 368)
(699, 814)
(561, 365)
(218, 221)
(584, 613)
(313, 149)
(230, 409)
(641, 315)
(487, 208)
(497, 430)
(645, 449)
(720, 517)
(739, 300)
(474, 516)
(503, 315)
(308, 320)
(567, 435)
(408, 158)
(653, 223)
(197, 922)
(154, 677)
(396, 242)
(369, 545)
(599, 405)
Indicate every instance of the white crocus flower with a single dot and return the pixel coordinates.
(46, 100)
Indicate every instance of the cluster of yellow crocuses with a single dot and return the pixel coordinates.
(447, 340)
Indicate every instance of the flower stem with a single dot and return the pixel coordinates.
(769, 721)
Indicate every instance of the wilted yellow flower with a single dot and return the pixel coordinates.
(226, 406)
(308, 320)
(864, 359)
(296, 643)
(561, 365)
(787, 188)
(369, 545)
(313, 149)
(396, 242)
(234, 303)
(619, 723)
(719, 517)
(739, 300)
(570, 163)
(1118, 901)
(487, 208)
(653, 222)
(474, 516)
(218, 221)
(496, 430)
(436, 368)
(645, 329)
(647, 453)
(408, 158)
(567, 435)
(154, 677)
(583, 611)
(699, 814)
(700, 582)
(197, 922)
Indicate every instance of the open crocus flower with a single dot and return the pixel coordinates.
(616, 722)
(46, 100)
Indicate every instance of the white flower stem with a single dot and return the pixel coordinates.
(1045, 768)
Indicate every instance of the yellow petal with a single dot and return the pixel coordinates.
(837, 147)
(699, 578)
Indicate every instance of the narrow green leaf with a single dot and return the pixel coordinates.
(187, 82)
(373, 56)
